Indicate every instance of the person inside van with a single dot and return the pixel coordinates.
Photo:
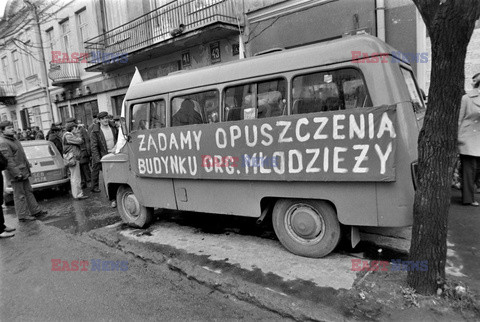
(186, 114)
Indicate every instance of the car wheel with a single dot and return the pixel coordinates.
(307, 228)
(131, 211)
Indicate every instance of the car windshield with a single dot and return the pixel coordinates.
(38, 151)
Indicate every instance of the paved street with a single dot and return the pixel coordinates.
(31, 291)
(247, 258)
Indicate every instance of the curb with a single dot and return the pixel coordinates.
(285, 305)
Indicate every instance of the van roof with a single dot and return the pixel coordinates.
(320, 54)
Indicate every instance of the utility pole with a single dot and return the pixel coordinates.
(42, 57)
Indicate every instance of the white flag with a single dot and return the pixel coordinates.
(137, 78)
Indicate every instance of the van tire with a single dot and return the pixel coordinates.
(307, 228)
(132, 212)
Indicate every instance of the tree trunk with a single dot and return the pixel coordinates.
(450, 24)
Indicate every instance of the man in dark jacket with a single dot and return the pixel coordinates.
(54, 136)
(102, 139)
(4, 230)
(18, 172)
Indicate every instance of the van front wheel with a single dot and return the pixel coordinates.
(307, 228)
(131, 211)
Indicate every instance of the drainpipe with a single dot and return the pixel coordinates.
(380, 12)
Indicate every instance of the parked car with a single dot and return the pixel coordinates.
(48, 170)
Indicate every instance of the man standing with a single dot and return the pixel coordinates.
(18, 172)
(4, 230)
(102, 139)
(54, 136)
(469, 141)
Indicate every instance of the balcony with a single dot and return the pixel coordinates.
(7, 93)
(64, 73)
(185, 22)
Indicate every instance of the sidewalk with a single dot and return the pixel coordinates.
(258, 269)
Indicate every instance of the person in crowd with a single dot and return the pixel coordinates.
(95, 121)
(5, 231)
(469, 141)
(30, 134)
(18, 172)
(39, 134)
(85, 153)
(103, 140)
(186, 114)
(24, 136)
(54, 136)
(72, 142)
(116, 120)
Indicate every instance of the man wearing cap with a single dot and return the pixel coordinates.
(18, 172)
(103, 139)
(116, 119)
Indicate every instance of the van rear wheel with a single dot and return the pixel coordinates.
(131, 211)
(307, 228)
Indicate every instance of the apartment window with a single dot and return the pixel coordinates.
(65, 30)
(29, 65)
(49, 33)
(38, 117)
(16, 65)
(116, 13)
(82, 28)
(5, 68)
(13, 117)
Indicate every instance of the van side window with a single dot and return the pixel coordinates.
(195, 108)
(138, 117)
(329, 91)
(157, 114)
(255, 100)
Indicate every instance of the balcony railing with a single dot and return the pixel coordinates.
(64, 73)
(7, 90)
(163, 23)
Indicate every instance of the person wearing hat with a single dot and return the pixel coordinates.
(116, 119)
(18, 172)
(85, 152)
(54, 136)
(103, 140)
(72, 142)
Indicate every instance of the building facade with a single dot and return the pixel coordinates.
(91, 47)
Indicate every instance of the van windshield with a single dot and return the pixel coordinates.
(415, 96)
